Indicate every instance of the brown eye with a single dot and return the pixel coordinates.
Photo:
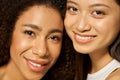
(72, 10)
(98, 14)
(56, 38)
(29, 33)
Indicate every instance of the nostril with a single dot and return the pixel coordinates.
(84, 28)
(42, 53)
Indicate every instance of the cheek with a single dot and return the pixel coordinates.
(107, 28)
(107, 31)
(55, 50)
(18, 45)
(70, 22)
(67, 21)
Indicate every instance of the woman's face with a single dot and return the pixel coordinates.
(36, 42)
(92, 24)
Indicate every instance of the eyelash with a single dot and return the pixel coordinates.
(55, 38)
(98, 13)
(29, 32)
(72, 10)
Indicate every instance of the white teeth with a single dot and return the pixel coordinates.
(35, 64)
(84, 38)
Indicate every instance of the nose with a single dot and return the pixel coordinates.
(40, 48)
(83, 23)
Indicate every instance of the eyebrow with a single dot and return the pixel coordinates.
(99, 4)
(56, 31)
(37, 28)
(69, 1)
(32, 26)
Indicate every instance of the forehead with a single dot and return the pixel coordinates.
(41, 16)
(39, 8)
(38, 12)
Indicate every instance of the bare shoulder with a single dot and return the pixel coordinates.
(114, 75)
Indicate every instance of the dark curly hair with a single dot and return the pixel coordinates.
(10, 10)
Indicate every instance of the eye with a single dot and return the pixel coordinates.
(98, 14)
(55, 38)
(72, 10)
(29, 32)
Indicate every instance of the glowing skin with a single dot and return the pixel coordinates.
(92, 26)
(36, 43)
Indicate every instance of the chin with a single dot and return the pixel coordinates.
(81, 50)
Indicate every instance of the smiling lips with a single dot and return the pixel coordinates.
(37, 66)
(84, 39)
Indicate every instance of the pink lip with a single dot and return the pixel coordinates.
(37, 65)
(83, 38)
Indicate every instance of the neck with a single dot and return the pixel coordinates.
(99, 60)
(9, 73)
(2, 71)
